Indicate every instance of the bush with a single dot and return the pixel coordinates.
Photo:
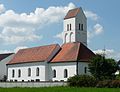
(82, 81)
(102, 68)
(105, 83)
(118, 77)
(108, 84)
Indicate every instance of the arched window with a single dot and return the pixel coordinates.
(65, 73)
(82, 27)
(54, 73)
(67, 27)
(85, 70)
(29, 71)
(13, 73)
(79, 26)
(19, 73)
(70, 26)
(71, 36)
(65, 37)
(37, 71)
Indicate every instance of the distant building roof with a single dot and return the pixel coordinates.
(72, 13)
(35, 54)
(73, 52)
(5, 55)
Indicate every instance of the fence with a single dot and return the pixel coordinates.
(31, 84)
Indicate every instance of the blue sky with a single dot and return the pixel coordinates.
(29, 23)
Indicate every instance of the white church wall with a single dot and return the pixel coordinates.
(70, 66)
(69, 21)
(81, 68)
(60, 67)
(67, 37)
(81, 35)
(3, 68)
(24, 71)
(76, 34)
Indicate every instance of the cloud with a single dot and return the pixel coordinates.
(2, 8)
(20, 28)
(13, 51)
(109, 53)
(60, 36)
(19, 47)
(12, 35)
(5, 51)
(95, 31)
(98, 29)
(91, 15)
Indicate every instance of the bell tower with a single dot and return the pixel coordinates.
(75, 27)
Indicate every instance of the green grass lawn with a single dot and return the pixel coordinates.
(59, 89)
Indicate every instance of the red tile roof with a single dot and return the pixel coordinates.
(73, 52)
(3, 56)
(72, 13)
(35, 54)
(68, 52)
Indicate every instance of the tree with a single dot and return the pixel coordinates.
(102, 68)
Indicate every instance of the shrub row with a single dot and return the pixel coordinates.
(89, 81)
(82, 81)
(108, 84)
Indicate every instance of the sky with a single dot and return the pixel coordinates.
(30, 23)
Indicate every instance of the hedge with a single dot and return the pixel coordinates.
(82, 81)
(108, 84)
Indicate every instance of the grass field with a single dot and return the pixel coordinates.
(59, 89)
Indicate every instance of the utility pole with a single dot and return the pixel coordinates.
(104, 50)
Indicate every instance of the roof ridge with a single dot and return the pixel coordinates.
(6, 53)
(53, 52)
(72, 13)
(74, 9)
(78, 50)
(39, 46)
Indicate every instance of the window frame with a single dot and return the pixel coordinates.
(70, 27)
(13, 73)
(67, 27)
(82, 28)
(37, 71)
(54, 73)
(19, 73)
(85, 70)
(79, 26)
(29, 72)
(65, 73)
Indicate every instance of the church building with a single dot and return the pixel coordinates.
(54, 62)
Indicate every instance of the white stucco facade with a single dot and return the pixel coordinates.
(75, 29)
(60, 67)
(45, 71)
(69, 35)
(3, 68)
(81, 68)
(71, 68)
(24, 71)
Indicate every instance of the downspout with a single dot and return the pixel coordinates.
(77, 67)
(77, 62)
(7, 72)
